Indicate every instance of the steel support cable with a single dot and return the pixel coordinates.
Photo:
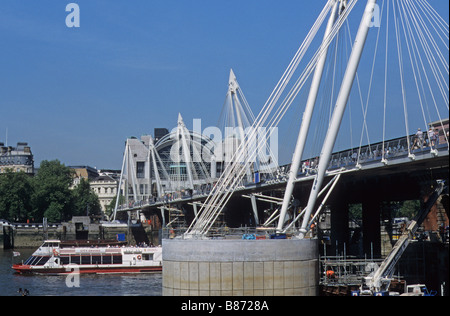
(413, 64)
(249, 120)
(275, 94)
(200, 169)
(134, 181)
(353, 4)
(301, 81)
(414, 45)
(385, 76)
(200, 152)
(326, 100)
(223, 117)
(294, 63)
(120, 182)
(425, 34)
(310, 67)
(162, 168)
(209, 202)
(241, 131)
(370, 87)
(336, 48)
(428, 34)
(340, 58)
(276, 119)
(399, 48)
(336, 54)
(432, 62)
(341, 24)
(433, 25)
(431, 92)
(425, 74)
(349, 105)
(290, 65)
(365, 108)
(300, 56)
(198, 160)
(332, 183)
(438, 54)
(400, 64)
(248, 110)
(440, 22)
(339, 110)
(151, 159)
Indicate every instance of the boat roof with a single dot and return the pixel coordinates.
(91, 243)
(53, 240)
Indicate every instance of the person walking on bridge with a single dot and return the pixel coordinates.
(431, 137)
(418, 140)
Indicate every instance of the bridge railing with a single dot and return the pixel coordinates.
(370, 153)
(391, 149)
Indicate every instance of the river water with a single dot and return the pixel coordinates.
(89, 285)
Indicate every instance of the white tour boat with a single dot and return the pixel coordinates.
(56, 257)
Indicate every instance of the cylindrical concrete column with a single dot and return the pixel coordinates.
(371, 211)
(240, 267)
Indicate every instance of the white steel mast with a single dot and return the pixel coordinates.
(151, 154)
(182, 131)
(339, 110)
(303, 133)
(232, 90)
(125, 157)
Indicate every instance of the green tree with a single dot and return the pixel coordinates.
(15, 196)
(111, 206)
(85, 201)
(409, 209)
(52, 197)
(355, 212)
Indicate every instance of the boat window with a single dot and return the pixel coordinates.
(86, 259)
(96, 259)
(75, 259)
(29, 260)
(107, 259)
(50, 244)
(65, 259)
(147, 256)
(42, 261)
(117, 259)
(33, 260)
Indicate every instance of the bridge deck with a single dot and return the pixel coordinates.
(365, 159)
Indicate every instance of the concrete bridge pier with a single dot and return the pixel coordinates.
(6, 237)
(339, 223)
(283, 267)
(371, 211)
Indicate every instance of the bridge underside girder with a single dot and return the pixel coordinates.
(369, 187)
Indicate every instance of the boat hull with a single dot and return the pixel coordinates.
(26, 269)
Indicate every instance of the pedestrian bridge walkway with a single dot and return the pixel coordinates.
(375, 156)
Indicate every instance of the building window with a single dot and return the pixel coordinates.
(140, 169)
(143, 189)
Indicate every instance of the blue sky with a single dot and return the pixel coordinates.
(76, 94)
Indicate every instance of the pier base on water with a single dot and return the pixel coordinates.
(6, 237)
(284, 267)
